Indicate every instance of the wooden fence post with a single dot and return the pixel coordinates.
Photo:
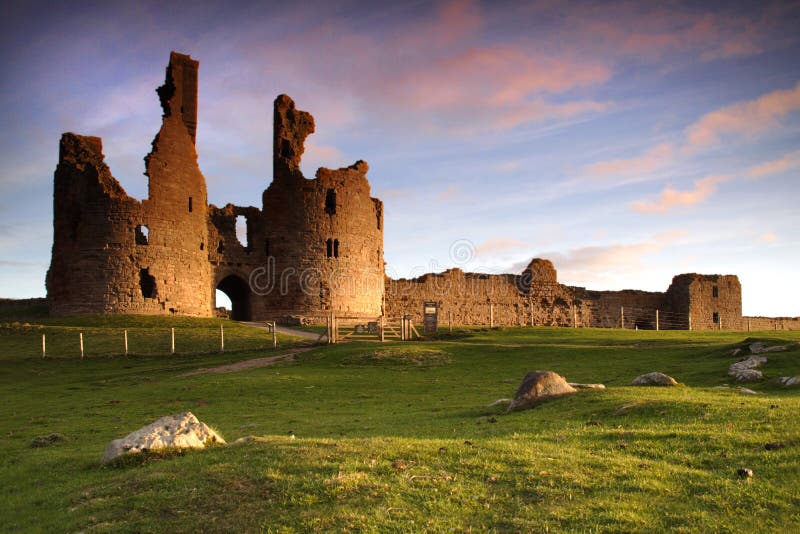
(574, 316)
(44, 347)
(690, 322)
(274, 335)
(622, 316)
(125, 340)
(221, 338)
(380, 326)
(172, 340)
(328, 328)
(81, 338)
(657, 326)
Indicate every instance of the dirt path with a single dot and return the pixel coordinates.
(288, 331)
(247, 364)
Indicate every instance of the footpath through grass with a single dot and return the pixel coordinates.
(397, 437)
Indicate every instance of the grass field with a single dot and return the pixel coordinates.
(397, 437)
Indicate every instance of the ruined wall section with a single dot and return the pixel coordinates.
(535, 298)
(92, 269)
(113, 254)
(712, 299)
(325, 235)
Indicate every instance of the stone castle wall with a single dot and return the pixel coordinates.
(314, 245)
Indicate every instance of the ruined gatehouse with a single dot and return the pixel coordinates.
(314, 245)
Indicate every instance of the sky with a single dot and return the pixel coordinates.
(625, 141)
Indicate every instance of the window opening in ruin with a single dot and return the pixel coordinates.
(330, 202)
(147, 283)
(716, 318)
(335, 248)
(142, 234)
(266, 247)
(202, 246)
(329, 248)
(221, 247)
(241, 231)
(715, 292)
(190, 204)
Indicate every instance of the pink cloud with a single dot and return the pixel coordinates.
(672, 198)
(655, 158)
(769, 237)
(748, 117)
(449, 193)
(499, 244)
(784, 163)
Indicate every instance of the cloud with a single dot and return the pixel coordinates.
(449, 193)
(784, 163)
(672, 198)
(655, 158)
(612, 262)
(508, 166)
(769, 237)
(746, 118)
(498, 245)
(316, 156)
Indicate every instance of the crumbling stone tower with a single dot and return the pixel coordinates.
(114, 254)
(316, 245)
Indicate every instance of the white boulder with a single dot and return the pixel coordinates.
(182, 431)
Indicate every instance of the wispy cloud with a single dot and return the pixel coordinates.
(769, 237)
(784, 163)
(672, 198)
(448, 194)
(585, 265)
(745, 118)
(655, 158)
(499, 245)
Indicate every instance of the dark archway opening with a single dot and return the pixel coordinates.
(239, 292)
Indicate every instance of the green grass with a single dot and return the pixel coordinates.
(397, 437)
(103, 336)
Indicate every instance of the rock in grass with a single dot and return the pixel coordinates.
(182, 431)
(758, 348)
(654, 379)
(774, 445)
(744, 472)
(745, 370)
(747, 375)
(789, 380)
(538, 386)
(576, 385)
(44, 441)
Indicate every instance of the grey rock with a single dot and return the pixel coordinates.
(654, 379)
(538, 386)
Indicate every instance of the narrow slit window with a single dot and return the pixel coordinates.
(715, 292)
(329, 248)
(142, 234)
(335, 248)
(330, 201)
(266, 247)
(221, 247)
(190, 204)
(716, 318)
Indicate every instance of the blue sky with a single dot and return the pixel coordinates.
(626, 141)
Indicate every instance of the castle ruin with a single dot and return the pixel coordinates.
(314, 246)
